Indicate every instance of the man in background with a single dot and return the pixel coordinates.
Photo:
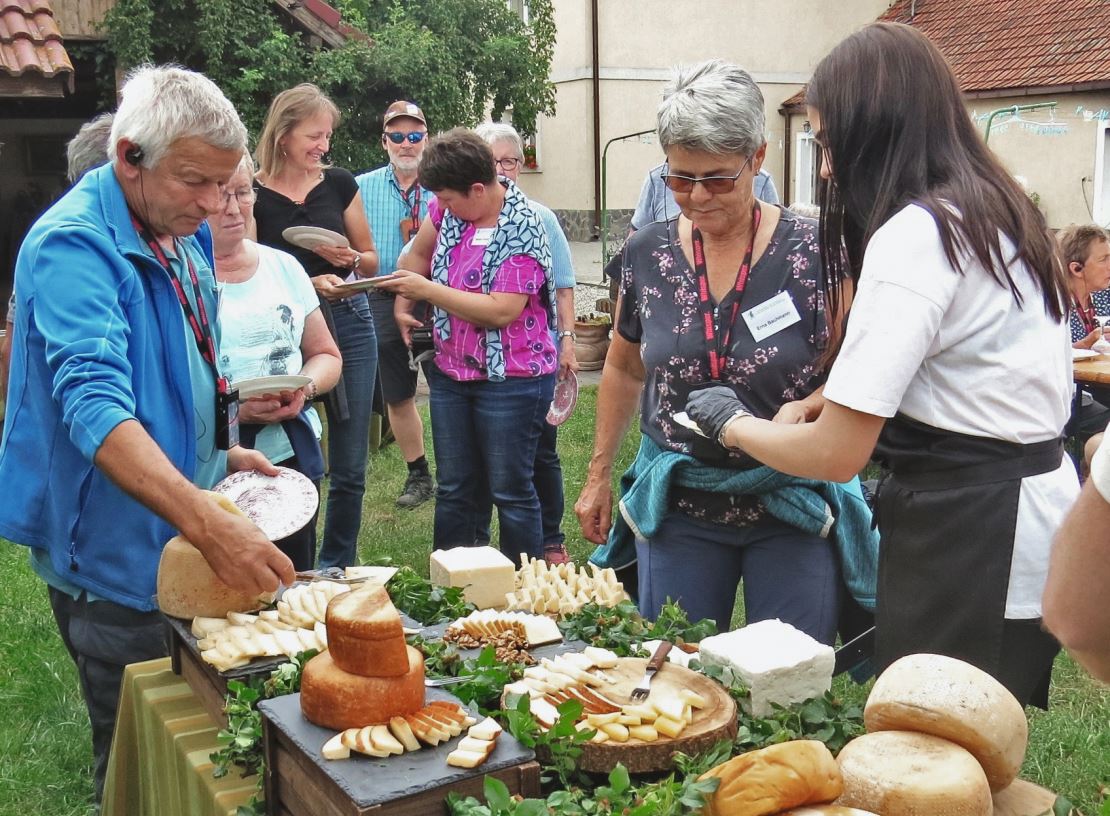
(657, 201)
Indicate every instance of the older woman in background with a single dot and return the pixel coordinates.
(297, 188)
(727, 293)
(494, 372)
(271, 324)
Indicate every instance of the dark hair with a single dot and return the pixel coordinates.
(455, 160)
(897, 132)
(1075, 242)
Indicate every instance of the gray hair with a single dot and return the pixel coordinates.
(495, 132)
(161, 104)
(89, 148)
(713, 106)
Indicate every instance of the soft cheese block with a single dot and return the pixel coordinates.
(333, 698)
(899, 773)
(772, 779)
(365, 635)
(777, 662)
(952, 699)
(484, 573)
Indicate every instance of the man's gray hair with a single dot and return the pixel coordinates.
(495, 132)
(161, 104)
(89, 148)
(713, 106)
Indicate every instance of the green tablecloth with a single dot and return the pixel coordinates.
(159, 764)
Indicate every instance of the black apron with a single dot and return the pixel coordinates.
(947, 511)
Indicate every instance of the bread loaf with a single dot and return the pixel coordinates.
(365, 635)
(899, 773)
(187, 586)
(333, 698)
(954, 700)
(774, 779)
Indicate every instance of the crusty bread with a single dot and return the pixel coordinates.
(774, 779)
(365, 635)
(333, 698)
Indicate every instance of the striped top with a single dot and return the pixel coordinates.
(386, 204)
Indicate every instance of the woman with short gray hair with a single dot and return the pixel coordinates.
(727, 293)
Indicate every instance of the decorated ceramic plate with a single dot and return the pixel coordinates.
(1083, 354)
(363, 284)
(280, 505)
(257, 386)
(312, 237)
(562, 404)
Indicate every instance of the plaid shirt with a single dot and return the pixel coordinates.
(385, 205)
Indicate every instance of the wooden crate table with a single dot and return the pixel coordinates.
(300, 782)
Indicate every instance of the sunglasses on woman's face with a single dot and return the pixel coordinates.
(715, 185)
(414, 138)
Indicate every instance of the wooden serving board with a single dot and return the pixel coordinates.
(715, 722)
(1023, 798)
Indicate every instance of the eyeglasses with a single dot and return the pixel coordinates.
(508, 163)
(415, 137)
(244, 197)
(715, 185)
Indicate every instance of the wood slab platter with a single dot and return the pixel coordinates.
(715, 722)
(1023, 798)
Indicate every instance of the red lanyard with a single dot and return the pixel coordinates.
(1087, 316)
(719, 349)
(415, 206)
(198, 322)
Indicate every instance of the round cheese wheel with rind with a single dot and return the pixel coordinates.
(828, 810)
(365, 635)
(900, 773)
(954, 700)
(772, 779)
(333, 698)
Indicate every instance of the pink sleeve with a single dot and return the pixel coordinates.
(519, 275)
(435, 212)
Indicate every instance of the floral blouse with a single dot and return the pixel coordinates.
(660, 312)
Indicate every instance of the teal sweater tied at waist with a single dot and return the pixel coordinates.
(817, 507)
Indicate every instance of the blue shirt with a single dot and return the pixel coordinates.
(562, 267)
(386, 204)
(657, 201)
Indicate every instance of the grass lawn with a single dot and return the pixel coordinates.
(44, 738)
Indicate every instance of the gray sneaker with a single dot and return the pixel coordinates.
(419, 487)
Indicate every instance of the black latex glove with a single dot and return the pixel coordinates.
(712, 408)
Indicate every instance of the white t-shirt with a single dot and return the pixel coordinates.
(956, 352)
(261, 323)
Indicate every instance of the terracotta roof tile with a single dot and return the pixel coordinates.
(30, 41)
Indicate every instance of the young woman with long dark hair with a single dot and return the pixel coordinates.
(954, 369)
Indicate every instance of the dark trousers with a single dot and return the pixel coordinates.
(102, 637)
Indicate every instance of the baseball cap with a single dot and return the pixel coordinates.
(402, 108)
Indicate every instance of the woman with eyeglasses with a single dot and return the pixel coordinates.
(271, 324)
(955, 367)
(726, 293)
(297, 188)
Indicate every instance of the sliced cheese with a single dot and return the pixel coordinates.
(487, 729)
(335, 749)
(466, 759)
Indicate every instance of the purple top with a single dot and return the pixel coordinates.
(529, 349)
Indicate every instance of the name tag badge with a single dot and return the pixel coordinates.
(771, 316)
(483, 235)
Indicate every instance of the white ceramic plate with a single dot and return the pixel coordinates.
(562, 404)
(683, 419)
(1083, 354)
(363, 284)
(280, 505)
(312, 237)
(258, 386)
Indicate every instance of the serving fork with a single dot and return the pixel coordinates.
(641, 691)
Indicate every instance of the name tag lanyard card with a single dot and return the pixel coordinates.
(227, 398)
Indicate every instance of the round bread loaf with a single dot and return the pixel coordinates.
(774, 779)
(899, 773)
(365, 635)
(187, 586)
(954, 700)
(333, 698)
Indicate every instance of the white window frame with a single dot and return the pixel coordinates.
(1100, 202)
(519, 7)
(806, 169)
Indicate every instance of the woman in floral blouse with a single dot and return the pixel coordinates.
(726, 293)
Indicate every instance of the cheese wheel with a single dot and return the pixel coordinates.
(333, 698)
(365, 635)
(773, 779)
(954, 700)
(828, 810)
(900, 773)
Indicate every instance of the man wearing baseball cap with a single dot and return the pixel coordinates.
(395, 205)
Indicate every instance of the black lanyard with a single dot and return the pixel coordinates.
(198, 321)
(718, 349)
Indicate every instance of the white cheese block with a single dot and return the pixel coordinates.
(899, 773)
(484, 573)
(952, 699)
(778, 663)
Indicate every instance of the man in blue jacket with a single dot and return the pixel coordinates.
(115, 399)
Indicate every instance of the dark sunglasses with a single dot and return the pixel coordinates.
(716, 185)
(414, 137)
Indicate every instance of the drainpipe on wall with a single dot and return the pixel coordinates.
(788, 187)
(596, 83)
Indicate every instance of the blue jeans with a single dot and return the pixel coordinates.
(349, 439)
(487, 432)
(788, 574)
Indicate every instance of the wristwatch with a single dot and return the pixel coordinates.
(740, 412)
(357, 261)
(310, 390)
(569, 334)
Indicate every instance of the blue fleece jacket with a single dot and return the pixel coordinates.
(99, 339)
